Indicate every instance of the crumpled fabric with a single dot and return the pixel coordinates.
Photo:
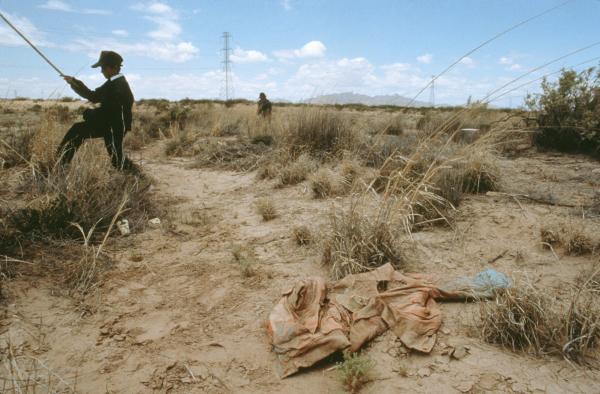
(315, 319)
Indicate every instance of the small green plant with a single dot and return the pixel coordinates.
(355, 371)
(245, 260)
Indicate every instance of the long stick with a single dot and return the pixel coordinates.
(31, 45)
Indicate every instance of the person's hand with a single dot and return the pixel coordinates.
(70, 80)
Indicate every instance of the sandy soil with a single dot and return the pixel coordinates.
(176, 314)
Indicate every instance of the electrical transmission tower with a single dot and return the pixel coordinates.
(432, 93)
(228, 88)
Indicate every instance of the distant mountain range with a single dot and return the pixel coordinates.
(355, 98)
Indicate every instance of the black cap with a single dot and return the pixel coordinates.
(108, 58)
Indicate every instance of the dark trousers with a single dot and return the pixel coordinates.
(81, 131)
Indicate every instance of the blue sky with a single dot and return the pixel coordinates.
(295, 49)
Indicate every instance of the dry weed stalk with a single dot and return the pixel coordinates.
(27, 374)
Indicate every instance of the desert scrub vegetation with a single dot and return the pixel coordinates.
(360, 239)
(244, 259)
(57, 199)
(302, 235)
(355, 371)
(568, 112)
(266, 208)
(526, 318)
(320, 133)
(88, 193)
(575, 236)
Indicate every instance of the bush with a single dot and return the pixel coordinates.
(568, 112)
(89, 193)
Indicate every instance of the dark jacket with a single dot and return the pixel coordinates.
(264, 107)
(116, 101)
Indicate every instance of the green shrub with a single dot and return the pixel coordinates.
(568, 112)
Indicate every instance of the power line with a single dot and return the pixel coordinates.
(513, 27)
(539, 68)
(539, 79)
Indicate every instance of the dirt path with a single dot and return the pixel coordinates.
(178, 314)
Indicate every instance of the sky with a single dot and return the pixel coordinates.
(298, 49)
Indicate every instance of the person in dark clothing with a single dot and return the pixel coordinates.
(110, 121)
(264, 106)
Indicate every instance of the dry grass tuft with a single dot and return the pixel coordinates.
(245, 260)
(296, 171)
(266, 208)
(355, 371)
(325, 183)
(180, 145)
(320, 133)
(520, 319)
(302, 235)
(529, 319)
(238, 155)
(360, 241)
(574, 235)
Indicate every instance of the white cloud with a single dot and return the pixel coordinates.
(286, 4)
(57, 5)
(342, 75)
(425, 59)
(166, 18)
(512, 66)
(247, 56)
(467, 61)
(159, 8)
(10, 38)
(310, 49)
(167, 29)
(96, 11)
(163, 43)
(168, 51)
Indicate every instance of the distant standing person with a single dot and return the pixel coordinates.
(111, 120)
(264, 106)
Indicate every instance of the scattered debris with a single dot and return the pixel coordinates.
(123, 226)
(315, 319)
